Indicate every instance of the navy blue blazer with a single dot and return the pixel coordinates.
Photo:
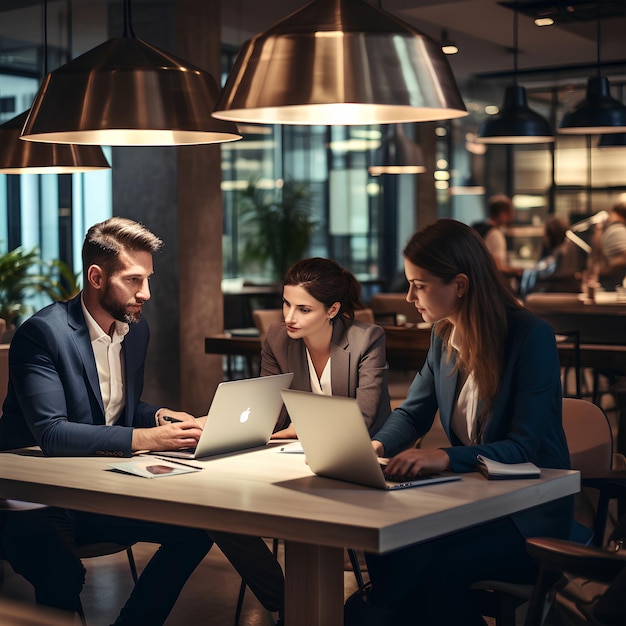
(525, 420)
(54, 398)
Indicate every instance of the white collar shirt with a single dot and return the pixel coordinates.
(463, 420)
(107, 351)
(321, 385)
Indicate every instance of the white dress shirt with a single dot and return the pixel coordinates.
(321, 385)
(463, 421)
(107, 351)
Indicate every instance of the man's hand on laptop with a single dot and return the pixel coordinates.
(165, 416)
(172, 436)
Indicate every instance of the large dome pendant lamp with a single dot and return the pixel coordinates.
(340, 62)
(599, 113)
(127, 92)
(516, 123)
(24, 157)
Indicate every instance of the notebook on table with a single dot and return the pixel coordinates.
(337, 445)
(242, 415)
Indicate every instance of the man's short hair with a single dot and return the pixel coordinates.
(620, 209)
(106, 240)
(498, 204)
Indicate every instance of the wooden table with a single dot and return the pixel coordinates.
(270, 494)
(603, 323)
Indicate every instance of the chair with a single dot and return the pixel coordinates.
(598, 568)
(243, 586)
(264, 318)
(364, 315)
(86, 551)
(385, 305)
(590, 443)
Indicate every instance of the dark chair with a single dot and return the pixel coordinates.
(590, 443)
(561, 561)
(86, 551)
(243, 586)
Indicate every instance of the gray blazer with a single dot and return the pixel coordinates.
(358, 370)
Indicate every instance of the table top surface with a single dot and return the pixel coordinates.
(605, 303)
(268, 493)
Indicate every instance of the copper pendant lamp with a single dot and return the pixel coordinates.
(24, 157)
(397, 154)
(340, 62)
(599, 113)
(127, 92)
(29, 157)
(516, 123)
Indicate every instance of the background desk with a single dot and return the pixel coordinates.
(602, 335)
(407, 346)
(270, 494)
(596, 323)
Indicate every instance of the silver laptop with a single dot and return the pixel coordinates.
(336, 442)
(242, 415)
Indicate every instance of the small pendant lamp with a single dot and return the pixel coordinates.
(342, 62)
(127, 92)
(397, 154)
(599, 113)
(29, 157)
(516, 123)
(23, 157)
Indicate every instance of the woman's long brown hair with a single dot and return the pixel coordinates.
(448, 248)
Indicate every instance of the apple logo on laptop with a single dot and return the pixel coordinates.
(244, 415)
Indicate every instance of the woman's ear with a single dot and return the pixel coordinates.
(462, 283)
(333, 309)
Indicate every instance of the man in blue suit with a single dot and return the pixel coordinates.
(75, 383)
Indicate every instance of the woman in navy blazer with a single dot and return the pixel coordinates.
(323, 346)
(493, 374)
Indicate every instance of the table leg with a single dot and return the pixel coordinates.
(313, 585)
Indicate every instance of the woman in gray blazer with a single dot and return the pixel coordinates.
(321, 343)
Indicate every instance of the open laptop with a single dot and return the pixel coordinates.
(242, 415)
(336, 442)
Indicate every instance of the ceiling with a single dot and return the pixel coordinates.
(483, 30)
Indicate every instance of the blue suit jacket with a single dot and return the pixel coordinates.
(54, 398)
(525, 421)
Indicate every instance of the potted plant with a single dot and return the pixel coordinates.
(22, 273)
(279, 224)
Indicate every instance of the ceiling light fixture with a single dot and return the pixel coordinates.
(544, 21)
(23, 157)
(599, 113)
(516, 123)
(29, 157)
(397, 154)
(341, 62)
(127, 92)
(447, 45)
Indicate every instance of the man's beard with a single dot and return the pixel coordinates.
(117, 310)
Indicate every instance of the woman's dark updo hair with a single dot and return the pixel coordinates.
(326, 281)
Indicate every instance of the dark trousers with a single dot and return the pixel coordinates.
(428, 584)
(41, 545)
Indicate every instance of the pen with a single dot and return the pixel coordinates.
(162, 458)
